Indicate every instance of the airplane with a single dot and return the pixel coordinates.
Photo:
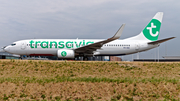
(71, 48)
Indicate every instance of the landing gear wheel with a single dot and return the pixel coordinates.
(85, 59)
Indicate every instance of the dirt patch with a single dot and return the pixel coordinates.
(88, 91)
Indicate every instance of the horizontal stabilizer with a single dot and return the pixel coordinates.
(161, 41)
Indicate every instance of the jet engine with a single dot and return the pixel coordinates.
(65, 53)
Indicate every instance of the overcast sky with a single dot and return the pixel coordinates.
(90, 19)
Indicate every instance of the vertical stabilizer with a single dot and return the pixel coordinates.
(151, 31)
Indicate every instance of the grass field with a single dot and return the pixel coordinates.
(77, 80)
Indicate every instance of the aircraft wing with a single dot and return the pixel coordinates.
(93, 47)
(161, 41)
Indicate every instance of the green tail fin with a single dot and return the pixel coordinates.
(151, 31)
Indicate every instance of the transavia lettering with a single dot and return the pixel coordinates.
(60, 44)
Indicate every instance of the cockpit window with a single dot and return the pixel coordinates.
(13, 44)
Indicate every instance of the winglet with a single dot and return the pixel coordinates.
(161, 41)
(119, 32)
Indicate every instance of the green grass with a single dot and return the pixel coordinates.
(88, 79)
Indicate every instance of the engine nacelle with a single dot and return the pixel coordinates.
(65, 53)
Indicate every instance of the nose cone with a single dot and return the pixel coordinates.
(6, 48)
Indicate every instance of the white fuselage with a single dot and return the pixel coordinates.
(49, 47)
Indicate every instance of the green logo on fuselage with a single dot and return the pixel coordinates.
(151, 31)
(63, 53)
(59, 44)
